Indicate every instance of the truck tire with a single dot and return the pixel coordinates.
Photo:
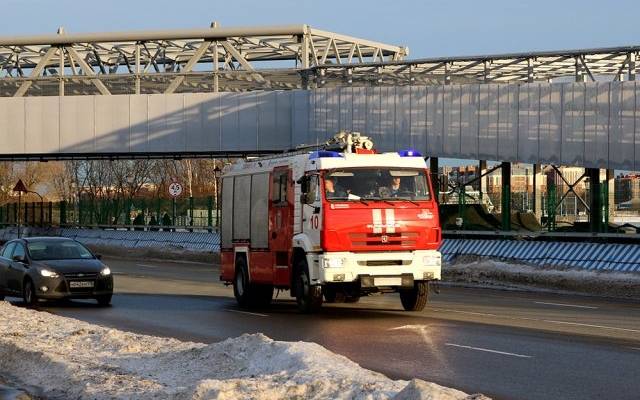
(309, 298)
(416, 298)
(241, 287)
(333, 295)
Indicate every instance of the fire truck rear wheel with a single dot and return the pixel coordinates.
(415, 299)
(241, 287)
(308, 297)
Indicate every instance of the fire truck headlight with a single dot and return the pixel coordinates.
(431, 260)
(334, 262)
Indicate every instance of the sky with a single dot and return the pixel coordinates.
(428, 28)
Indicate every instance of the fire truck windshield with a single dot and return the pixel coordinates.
(375, 184)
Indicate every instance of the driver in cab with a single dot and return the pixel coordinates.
(393, 190)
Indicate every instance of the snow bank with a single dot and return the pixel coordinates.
(58, 357)
(488, 272)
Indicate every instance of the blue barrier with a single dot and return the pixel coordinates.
(591, 256)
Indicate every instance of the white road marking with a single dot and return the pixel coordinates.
(592, 326)
(488, 350)
(247, 312)
(538, 320)
(565, 305)
(147, 265)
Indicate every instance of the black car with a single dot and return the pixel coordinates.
(53, 268)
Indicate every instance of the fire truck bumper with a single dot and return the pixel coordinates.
(379, 269)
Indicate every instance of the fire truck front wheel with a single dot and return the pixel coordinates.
(308, 297)
(415, 299)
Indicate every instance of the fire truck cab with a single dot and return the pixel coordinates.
(330, 225)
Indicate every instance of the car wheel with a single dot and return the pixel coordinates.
(416, 298)
(104, 301)
(29, 294)
(308, 297)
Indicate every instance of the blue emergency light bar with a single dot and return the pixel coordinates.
(324, 154)
(409, 153)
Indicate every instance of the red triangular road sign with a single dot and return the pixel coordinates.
(20, 187)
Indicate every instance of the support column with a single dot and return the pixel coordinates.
(482, 182)
(435, 180)
(538, 178)
(595, 200)
(610, 205)
(506, 196)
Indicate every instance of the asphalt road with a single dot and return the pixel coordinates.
(508, 345)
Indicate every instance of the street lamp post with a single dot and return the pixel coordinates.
(20, 188)
(217, 172)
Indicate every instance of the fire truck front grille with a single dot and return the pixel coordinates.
(383, 263)
(383, 239)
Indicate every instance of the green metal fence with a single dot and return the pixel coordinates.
(197, 212)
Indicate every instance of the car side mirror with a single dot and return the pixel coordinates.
(98, 256)
(19, 258)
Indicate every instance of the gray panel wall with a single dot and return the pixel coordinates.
(593, 124)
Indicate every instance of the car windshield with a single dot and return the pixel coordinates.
(58, 250)
(376, 184)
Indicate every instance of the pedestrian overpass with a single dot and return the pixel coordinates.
(242, 91)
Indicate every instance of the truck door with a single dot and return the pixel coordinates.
(312, 210)
(281, 223)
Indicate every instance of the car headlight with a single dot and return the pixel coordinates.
(48, 273)
(431, 260)
(105, 271)
(334, 262)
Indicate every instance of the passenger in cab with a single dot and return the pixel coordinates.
(394, 188)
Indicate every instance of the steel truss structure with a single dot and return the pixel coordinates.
(616, 63)
(196, 60)
(268, 58)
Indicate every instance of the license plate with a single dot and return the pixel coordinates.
(384, 281)
(81, 284)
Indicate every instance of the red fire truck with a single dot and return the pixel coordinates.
(332, 224)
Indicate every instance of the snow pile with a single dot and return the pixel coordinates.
(488, 272)
(60, 357)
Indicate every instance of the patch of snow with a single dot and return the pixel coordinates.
(59, 357)
(489, 272)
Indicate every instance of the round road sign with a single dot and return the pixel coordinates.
(175, 189)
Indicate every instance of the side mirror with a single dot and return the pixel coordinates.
(304, 184)
(98, 256)
(19, 258)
